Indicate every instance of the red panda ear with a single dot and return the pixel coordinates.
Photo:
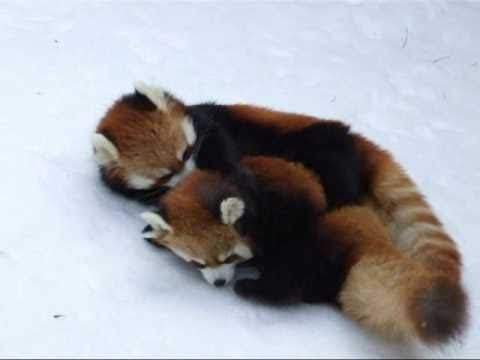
(158, 224)
(231, 209)
(104, 150)
(156, 95)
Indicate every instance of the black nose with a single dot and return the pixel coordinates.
(219, 282)
(146, 229)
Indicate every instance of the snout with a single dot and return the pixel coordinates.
(219, 276)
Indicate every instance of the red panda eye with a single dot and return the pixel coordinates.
(231, 259)
(198, 265)
(188, 152)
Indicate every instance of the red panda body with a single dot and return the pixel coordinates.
(383, 183)
(165, 140)
(344, 256)
(219, 137)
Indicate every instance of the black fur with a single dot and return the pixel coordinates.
(326, 148)
(147, 229)
(138, 102)
(297, 260)
(223, 138)
(215, 150)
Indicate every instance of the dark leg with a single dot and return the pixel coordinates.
(249, 264)
(270, 291)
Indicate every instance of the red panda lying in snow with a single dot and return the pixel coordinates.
(150, 139)
(275, 210)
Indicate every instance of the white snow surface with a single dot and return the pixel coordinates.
(406, 74)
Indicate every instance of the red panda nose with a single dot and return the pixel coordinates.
(219, 282)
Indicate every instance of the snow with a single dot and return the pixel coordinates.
(406, 74)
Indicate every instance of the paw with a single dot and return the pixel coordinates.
(231, 209)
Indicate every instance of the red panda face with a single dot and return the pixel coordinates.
(144, 140)
(192, 232)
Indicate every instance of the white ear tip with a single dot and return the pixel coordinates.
(149, 217)
(154, 93)
(98, 139)
(105, 151)
(148, 89)
(231, 210)
(139, 85)
(155, 221)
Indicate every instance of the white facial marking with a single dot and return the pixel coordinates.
(140, 182)
(231, 210)
(181, 152)
(188, 168)
(105, 151)
(162, 172)
(243, 251)
(223, 257)
(155, 94)
(189, 131)
(150, 235)
(222, 272)
(156, 221)
(183, 255)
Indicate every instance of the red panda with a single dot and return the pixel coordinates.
(145, 142)
(130, 143)
(276, 211)
(150, 139)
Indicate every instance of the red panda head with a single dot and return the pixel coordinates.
(143, 140)
(197, 223)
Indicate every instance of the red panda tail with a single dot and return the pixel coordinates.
(399, 301)
(439, 311)
(412, 224)
(388, 292)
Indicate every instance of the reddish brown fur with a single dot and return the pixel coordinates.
(287, 177)
(392, 193)
(201, 235)
(383, 177)
(282, 121)
(413, 227)
(196, 231)
(140, 137)
(387, 291)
